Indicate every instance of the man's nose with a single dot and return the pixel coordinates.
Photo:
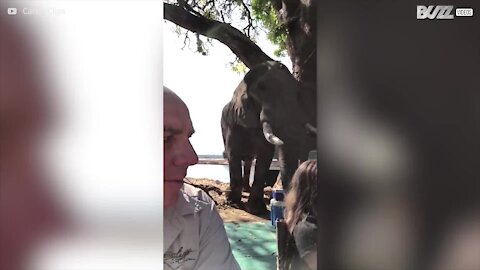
(187, 157)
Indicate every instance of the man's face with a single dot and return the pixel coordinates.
(178, 151)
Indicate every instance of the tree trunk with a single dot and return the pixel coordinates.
(300, 20)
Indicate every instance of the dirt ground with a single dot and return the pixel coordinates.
(229, 213)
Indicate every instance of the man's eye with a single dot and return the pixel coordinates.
(167, 139)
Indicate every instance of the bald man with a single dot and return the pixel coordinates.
(194, 235)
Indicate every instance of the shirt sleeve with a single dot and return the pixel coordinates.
(305, 234)
(214, 251)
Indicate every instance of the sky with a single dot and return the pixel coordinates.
(205, 83)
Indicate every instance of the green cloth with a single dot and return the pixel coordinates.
(254, 244)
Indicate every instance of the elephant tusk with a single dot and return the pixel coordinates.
(311, 129)
(275, 140)
(269, 136)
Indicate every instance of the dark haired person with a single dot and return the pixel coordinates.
(300, 217)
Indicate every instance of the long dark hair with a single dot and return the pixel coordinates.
(302, 195)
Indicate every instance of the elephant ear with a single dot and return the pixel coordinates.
(244, 109)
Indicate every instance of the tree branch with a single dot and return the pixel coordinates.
(187, 7)
(185, 41)
(248, 52)
(250, 20)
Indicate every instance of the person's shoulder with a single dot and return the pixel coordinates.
(305, 235)
(305, 231)
(198, 197)
(306, 225)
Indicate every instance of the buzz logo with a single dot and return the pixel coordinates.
(434, 12)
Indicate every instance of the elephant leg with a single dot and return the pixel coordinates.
(256, 204)
(247, 166)
(235, 166)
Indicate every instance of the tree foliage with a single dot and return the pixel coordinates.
(290, 24)
(277, 33)
(248, 16)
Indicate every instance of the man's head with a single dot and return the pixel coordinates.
(178, 151)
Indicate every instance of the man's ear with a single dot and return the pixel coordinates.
(244, 109)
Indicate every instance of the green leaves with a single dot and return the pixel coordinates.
(251, 17)
(264, 12)
(201, 48)
(238, 67)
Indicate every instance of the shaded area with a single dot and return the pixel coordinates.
(254, 244)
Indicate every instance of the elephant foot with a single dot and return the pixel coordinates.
(233, 197)
(256, 206)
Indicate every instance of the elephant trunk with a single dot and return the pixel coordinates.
(268, 133)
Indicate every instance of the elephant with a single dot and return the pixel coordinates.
(268, 109)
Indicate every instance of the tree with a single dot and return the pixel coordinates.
(290, 24)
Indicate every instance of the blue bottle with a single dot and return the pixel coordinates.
(276, 211)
